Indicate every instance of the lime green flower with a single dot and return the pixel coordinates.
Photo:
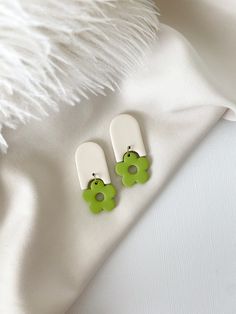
(100, 196)
(133, 169)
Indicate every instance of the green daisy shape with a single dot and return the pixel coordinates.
(133, 169)
(100, 196)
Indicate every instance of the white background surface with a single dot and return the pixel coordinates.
(181, 256)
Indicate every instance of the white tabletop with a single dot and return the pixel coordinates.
(180, 257)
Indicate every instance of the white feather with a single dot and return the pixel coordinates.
(59, 51)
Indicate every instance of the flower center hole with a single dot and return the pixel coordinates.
(99, 197)
(132, 169)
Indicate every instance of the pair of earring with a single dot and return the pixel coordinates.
(131, 164)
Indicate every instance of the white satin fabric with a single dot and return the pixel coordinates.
(50, 244)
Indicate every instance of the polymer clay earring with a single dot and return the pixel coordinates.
(130, 154)
(94, 177)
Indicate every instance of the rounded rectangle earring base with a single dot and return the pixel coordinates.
(126, 134)
(90, 161)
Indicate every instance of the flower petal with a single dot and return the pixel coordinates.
(129, 179)
(142, 177)
(143, 163)
(109, 191)
(96, 185)
(88, 195)
(96, 207)
(109, 204)
(121, 168)
(130, 158)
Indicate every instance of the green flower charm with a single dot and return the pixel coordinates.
(100, 196)
(133, 169)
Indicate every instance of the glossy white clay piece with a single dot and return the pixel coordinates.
(90, 159)
(125, 132)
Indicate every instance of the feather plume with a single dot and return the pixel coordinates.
(55, 52)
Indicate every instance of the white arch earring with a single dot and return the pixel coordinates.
(94, 177)
(132, 163)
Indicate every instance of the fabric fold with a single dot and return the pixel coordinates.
(61, 243)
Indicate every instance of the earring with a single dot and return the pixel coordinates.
(130, 154)
(94, 177)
